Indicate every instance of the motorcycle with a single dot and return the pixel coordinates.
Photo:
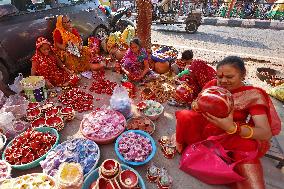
(117, 23)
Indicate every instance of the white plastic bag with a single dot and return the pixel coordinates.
(121, 102)
(16, 86)
(17, 105)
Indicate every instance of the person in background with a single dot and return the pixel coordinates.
(45, 63)
(249, 126)
(135, 63)
(194, 73)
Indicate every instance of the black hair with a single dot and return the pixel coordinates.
(187, 55)
(234, 61)
(137, 41)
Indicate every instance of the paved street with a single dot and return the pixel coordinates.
(210, 43)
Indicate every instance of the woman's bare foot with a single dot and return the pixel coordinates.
(179, 147)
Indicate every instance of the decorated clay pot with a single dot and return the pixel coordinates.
(184, 93)
(38, 122)
(74, 79)
(47, 107)
(130, 88)
(216, 101)
(33, 114)
(51, 112)
(55, 122)
(162, 67)
(110, 168)
(141, 105)
(68, 113)
(164, 182)
(32, 105)
(148, 94)
(153, 173)
(102, 183)
(128, 179)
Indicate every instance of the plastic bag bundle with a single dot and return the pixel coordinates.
(70, 176)
(121, 102)
(278, 92)
(34, 87)
(17, 105)
(16, 86)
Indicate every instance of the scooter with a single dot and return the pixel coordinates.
(117, 23)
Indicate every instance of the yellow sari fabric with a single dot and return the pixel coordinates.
(77, 64)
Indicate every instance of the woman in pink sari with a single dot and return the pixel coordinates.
(249, 126)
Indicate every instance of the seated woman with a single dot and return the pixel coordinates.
(45, 63)
(135, 63)
(68, 45)
(195, 73)
(249, 126)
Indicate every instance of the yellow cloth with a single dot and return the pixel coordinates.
(278, 92)
(77, 64)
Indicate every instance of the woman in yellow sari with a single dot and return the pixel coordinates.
(69, 47)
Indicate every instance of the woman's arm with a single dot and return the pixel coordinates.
(146, 69)
(34, 65)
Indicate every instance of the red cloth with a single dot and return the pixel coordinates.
(200, 74)
(193, 127)
(58, 38)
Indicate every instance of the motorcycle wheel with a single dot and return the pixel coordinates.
(191, 26)
(122, 24)
(100, 32)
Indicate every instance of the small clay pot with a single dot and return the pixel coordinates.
(128, 179)
(55, 122)
(110, 168)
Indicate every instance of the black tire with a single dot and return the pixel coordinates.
(122, 24)
(101, 32)
(5, 73)
(191, 26)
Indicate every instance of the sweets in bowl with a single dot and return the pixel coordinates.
(153, 109)
(103, 125)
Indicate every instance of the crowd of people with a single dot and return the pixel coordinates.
(249, 126)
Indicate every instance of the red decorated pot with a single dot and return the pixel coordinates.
(55, 122)
(184, 93)
(101, 183)
(74, 79)
(51, 112)
(130, 88)
(109, 168)
(141, 105)
(128, 179)
(68, 113)
(38, 122)
(33, 114)
(216, 101)
(33, 105)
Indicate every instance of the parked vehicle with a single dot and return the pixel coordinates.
(22, 22)
(169, 15)
(118, 20)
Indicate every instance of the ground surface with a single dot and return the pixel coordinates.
(210, 43)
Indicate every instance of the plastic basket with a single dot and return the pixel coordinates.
(142, 133)
(35, 162)
(94, 175)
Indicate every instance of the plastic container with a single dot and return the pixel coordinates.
(94, 175)
(35, 162)
(3, 140)
(142, 133)
(156, 115)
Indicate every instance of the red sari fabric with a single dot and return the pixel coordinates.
(200, 74)
(47, 67)
(192, 127)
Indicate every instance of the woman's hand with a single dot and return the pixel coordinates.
(226, 124)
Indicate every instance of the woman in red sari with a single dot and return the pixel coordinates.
(45, 63)
(250, 125)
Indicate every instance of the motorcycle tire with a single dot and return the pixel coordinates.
(191, 26)
(122, 24)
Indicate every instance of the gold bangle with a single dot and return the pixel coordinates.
(235, 130)
(251, 131)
